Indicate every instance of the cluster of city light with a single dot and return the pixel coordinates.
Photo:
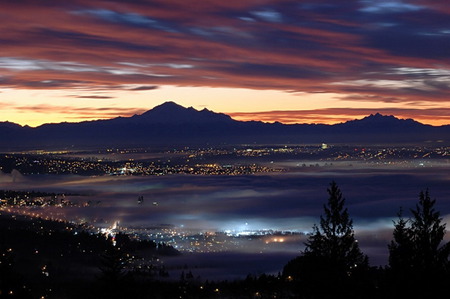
(35, 202)
(325, 152)
(199, 161)
(390, 154)
(275, 240)
(91, 166)
(196, 169)
(110, 232)
(181, 239)
(205, 241)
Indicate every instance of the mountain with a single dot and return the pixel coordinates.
(377, 121)
(170, 124)
(172, 113)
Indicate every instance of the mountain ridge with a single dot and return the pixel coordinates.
(170, 106)
(172, 124)
(170, 112)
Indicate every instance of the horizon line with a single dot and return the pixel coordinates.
(284, 117)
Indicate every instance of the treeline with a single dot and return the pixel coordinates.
(333, 266)
(64, 264)
(52, 259)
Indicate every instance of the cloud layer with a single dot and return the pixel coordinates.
(289, 201)
(388, 51)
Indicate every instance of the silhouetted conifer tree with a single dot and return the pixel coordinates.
(112, 264)
(427, 235)
(401, 247)
(113, 283)
(418, 260)
(332, 264)
(335, 238)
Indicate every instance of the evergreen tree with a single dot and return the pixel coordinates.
(112, 265)
(418, 259)
(335, 239)
(401, 247)
(332, 264)
(418, 246)
(114, 281)
(427, 235)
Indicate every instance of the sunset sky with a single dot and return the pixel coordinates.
(317, 61)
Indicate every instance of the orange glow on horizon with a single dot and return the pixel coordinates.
(329, 119)
(253, 60)
(295, 117)
(37, 107)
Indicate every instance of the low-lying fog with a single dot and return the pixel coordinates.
(290, 201)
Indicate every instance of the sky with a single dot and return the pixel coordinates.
(321, 61)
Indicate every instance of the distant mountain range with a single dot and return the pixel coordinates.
(170, 124)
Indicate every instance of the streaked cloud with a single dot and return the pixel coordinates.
(389, 49)
(389, 6)
(81, 112)
(93, 97)
(144, 87)
(268, 15)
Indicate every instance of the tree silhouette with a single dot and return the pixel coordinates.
(112, 265)
(332, 263)
(112, 281)
(428, 234)
(401, 247)
(335, 238)
(418, 259)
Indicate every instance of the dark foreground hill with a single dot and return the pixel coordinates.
(170, 124)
